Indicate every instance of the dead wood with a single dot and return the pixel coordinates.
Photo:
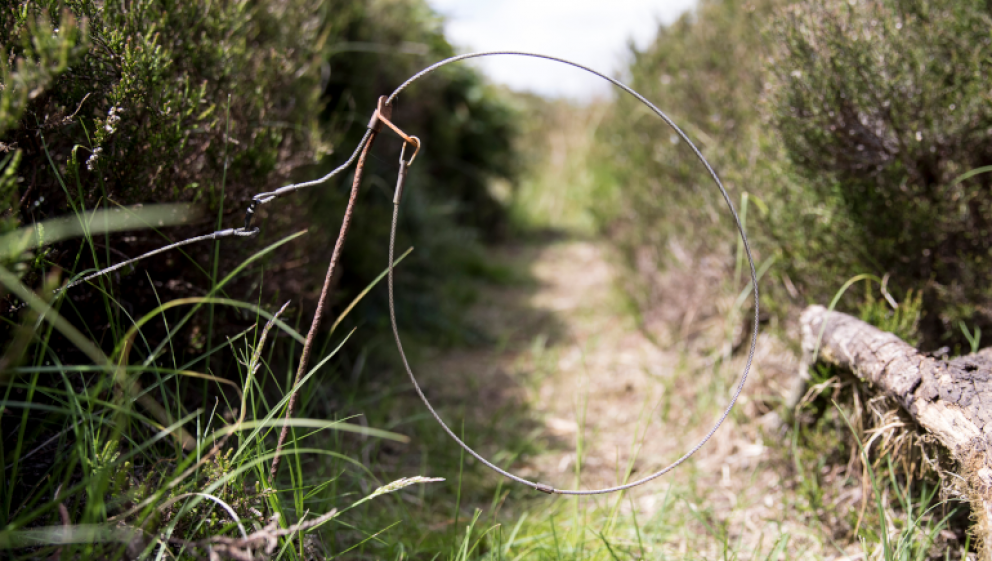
(951, 399)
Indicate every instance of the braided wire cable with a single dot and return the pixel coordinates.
(107, 270)
(263, 198)
(211, 236)
(733, 211)
(245, 232)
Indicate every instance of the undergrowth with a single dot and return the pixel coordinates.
(862, 472)
(112, 459)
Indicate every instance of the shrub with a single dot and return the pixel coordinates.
(154, 101)
(111, 103)
(846, 123)
(137, 104)
(880, 106)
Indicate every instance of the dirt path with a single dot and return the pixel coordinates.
(611, 401)
(598, 384)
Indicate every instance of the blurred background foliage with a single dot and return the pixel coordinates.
(705, 72)
(846, 124)
(564, 183)
(123, 102)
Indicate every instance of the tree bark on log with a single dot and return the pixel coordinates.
(951, 399)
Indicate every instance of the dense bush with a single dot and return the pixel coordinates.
(881, 105)
(846, 123)
(118, 102)
(109, 103)
(146, 98)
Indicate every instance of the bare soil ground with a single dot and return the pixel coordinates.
(617, 398)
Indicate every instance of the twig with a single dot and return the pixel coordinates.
(265, 539)
(318, 314)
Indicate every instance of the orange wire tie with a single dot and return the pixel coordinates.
(406, 138)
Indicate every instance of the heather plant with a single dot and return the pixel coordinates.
(117, 103)
(845, 131)
(110, 103)
(145, 100)
(881, 106)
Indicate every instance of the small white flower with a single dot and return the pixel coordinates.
(94, 157)
(112, 119)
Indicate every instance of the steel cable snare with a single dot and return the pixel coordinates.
(382, 116)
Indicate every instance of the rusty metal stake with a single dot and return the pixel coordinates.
(375, 125)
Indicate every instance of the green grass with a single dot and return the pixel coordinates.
(132, 460)
(128, 451)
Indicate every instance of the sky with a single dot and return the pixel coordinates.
(595, 33)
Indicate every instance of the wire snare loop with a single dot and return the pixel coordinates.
(392, 307)
(382, 115)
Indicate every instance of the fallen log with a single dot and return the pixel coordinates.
(951, 399)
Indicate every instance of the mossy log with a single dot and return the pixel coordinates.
(951, 399)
